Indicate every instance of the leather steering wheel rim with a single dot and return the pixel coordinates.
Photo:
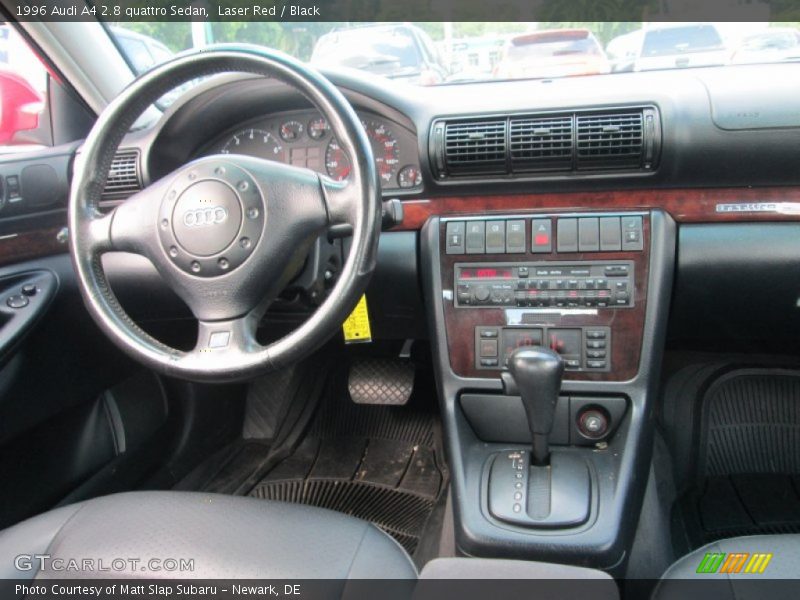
(313, 205)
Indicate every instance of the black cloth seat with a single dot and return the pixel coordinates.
(226, 536)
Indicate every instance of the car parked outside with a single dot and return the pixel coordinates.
(680, 45)
(552, 53)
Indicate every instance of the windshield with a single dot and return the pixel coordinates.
(448, 53)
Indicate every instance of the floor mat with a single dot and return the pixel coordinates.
(747, 473)
(383, 464)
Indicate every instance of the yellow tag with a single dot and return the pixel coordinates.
(356, 326)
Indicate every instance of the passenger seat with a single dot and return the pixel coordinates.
(760, 567)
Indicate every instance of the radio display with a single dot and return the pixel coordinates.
(486, 273)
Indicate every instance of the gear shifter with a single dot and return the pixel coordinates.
(537, 489)
(537, 372)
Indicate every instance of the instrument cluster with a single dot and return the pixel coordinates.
(304, 139)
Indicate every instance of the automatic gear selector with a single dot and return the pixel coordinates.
(538, 488)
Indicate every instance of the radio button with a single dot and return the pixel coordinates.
(489, 362)
(596, 364)
(488, 333)
(596, 344)
(596, 334)
(616, 270)
(595, 354)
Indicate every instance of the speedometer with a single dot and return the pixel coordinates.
(384, 148)
(254, 142)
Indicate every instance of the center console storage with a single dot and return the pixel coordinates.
(548, 333)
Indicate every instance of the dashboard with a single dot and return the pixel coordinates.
(304, 139)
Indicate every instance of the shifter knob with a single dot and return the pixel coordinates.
(537, 372)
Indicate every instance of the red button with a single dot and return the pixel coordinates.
(541, 239)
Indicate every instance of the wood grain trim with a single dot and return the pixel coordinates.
(685, 205)
(627, 324)
(29, 245)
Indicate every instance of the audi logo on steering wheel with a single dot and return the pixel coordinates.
(199, 217)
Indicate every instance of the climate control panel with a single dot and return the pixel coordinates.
(581, 348)
(600, 284)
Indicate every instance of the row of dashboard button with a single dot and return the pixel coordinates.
(574, 234)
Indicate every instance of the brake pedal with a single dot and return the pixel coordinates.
(382, 381)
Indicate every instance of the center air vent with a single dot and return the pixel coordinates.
(542, 144)
(475, 146)
(123, 177)
(610, 141)
(568, 144)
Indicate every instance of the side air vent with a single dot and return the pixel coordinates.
(541, 144)
(610, 141)
(124, 178)
(475, 146)
(574, 143)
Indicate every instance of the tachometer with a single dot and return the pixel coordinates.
(254, 142)
(384, 148)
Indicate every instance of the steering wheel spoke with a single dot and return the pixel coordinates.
(231, 337)
(97, 233)
(342, 200)
(133, 223)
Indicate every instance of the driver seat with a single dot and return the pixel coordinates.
(226, 536)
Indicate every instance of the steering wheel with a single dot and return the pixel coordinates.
(226, 232)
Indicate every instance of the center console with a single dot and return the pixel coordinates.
(548, 333)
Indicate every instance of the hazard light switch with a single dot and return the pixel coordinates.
(542, 234)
